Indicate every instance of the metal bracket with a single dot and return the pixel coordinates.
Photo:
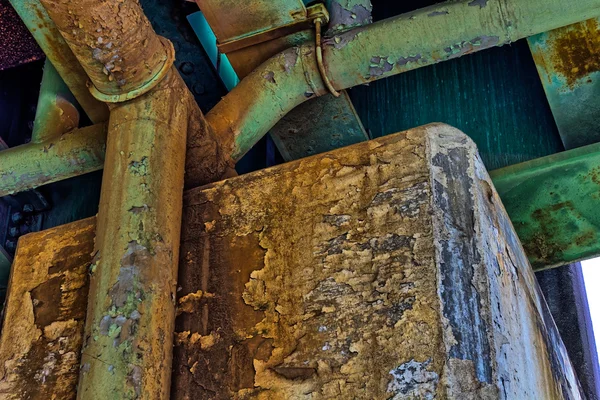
(317, 11)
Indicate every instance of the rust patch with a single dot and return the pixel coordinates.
(586, 238)
(543, 245)
(575, 51)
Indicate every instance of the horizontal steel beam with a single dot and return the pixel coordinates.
(554, 205)
(35, 164)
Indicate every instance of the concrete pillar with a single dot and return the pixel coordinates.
(388, 269)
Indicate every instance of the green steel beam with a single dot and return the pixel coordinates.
(554, 205)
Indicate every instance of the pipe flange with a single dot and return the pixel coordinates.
(146, 87)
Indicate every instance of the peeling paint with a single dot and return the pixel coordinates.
(270, 76)
(347, 14)
(341, 40)
(480, 3)
(468, 47)
(139, 168)
(437, 13)
(379, 65)
(290, 60)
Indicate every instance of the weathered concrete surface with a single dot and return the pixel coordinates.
(388, 269)
(385, 270)
(44, 314)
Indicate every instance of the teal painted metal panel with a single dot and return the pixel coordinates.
(494, 96)
(568, 61)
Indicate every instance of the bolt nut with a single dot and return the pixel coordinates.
(16, 217)
(11, 246)
(186, 68)
(13, 231)
(198, 88)
(28, 208)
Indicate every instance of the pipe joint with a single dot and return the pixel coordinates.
(169, 59)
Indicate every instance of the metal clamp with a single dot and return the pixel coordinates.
(319, 53)
(317, 11)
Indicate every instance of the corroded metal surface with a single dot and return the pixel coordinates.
(381, 49)
(232, 20)
(385, 269)
(44, 315)
(553, 204)
(58, 52)
(568, 61)
(34, 164)
(347, 14)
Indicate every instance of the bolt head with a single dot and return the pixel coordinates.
(16, 217)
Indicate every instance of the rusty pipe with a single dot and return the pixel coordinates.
(128, 340)
(130, 319)
(368, 53)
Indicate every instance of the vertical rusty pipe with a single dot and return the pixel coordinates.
(127, 348)
(130, 321)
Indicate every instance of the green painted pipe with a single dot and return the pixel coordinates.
(362, 55)
(56, 112)
(34, 164)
